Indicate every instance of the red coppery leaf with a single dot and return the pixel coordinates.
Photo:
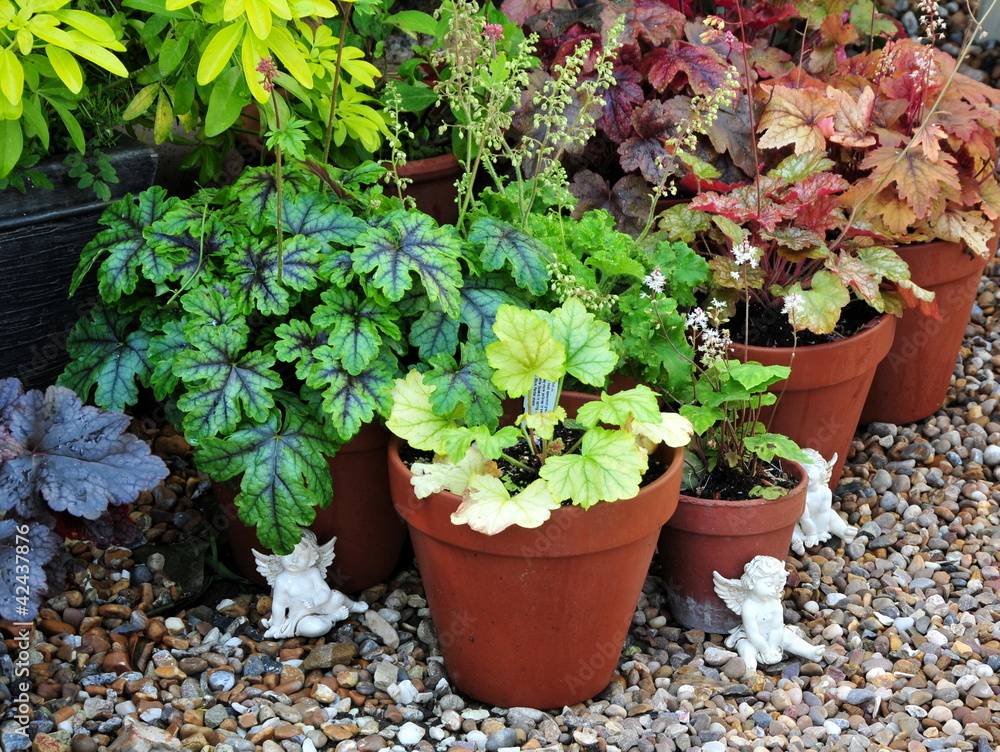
(520, 11)
(619, 102)
(682, 65)
(645, 151)
(652, 21)
(628, 201)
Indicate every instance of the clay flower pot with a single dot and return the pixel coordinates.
(369, 533)
(819, 404)
(433, 186)
(721, 535)
(538, 617)
(912, 382)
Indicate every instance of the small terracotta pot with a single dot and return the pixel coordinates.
(820, 403)
(369, 533)
(912, 382)
(536, 618)
(706, 535)
(433, 186)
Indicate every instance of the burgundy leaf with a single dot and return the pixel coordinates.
(653, 21)
(645, 151)
(520, 11)
(619, 102)
(682, 65)
(628, 201)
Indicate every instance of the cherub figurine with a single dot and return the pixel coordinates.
(302, 604)
(756, 597)
(819, 520)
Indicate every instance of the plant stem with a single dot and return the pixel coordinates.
(336, 83)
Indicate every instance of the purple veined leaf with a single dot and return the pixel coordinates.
(619, 102)
(77, 458)
(682, 65)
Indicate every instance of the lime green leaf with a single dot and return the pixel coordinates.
(11, 143)
(615, 409)
(768, 446)
(488, 508)
(141, 101)
(525, 349)
(755, 376)
(609, 467)
(672, 429)
(12, 76)
(820, 306)
(414, 22)
(413, 418)
(587, 341)
(702, 417)
(225, 103)
(219, 51)
(543, 424)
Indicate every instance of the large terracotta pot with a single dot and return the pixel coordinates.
(912, 382)
(820, 403)
(433, 186)
(369, 533)
(706, 535)
(538, 617)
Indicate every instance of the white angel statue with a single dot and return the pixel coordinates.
(819, 520)
(302, 604)
(756, 597)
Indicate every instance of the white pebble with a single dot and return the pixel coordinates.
(409, 734)
(831, 728)
(811, 607)
(174, 625)
(833, 600)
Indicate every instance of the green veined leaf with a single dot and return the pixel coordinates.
(127, 251)
(587, 341)
(110, 352)
(285, 475)
(254, 271)
(352, 400)
(222, 385)
(407, 244)
(355, 327)
(297, 342)
(162, 353)
(464, 390)
(314, 215)
(503, 244)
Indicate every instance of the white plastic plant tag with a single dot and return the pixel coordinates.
(543, 396)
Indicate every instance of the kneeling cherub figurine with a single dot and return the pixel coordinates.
(756, 597)
(819, 519)
(302, 604)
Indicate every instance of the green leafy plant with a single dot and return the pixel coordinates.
(204, 69)
(266, 374)
(40, 72)
(605, 461)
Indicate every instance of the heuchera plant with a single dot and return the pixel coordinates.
(605, 463)
(273, 367)
(61, 463)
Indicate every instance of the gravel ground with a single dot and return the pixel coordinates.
(909, 611)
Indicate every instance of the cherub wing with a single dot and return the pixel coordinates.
(325, 554)
(732, 592)
(269, 566)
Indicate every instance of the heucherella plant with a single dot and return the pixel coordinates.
(602, 457)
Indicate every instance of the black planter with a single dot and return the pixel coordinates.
(41, 235)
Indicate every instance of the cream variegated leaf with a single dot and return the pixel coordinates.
(673, 430)
(972, 228)
(488, 508)
(435, 477)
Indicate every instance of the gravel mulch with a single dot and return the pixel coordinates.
(910, 611)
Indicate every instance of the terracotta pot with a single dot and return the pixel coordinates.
(369, 533)
(912, 382)
(433, 186)
(538, 617)
(706, 535)
(820, 403)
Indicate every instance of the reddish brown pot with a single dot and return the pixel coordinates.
(912, 382)
(706, 535)
(535, 618)
(369, 533)
(433, 186)
(820, 403)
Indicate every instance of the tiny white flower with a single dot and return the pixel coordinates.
(655, 280)
(745, 253)
(793, 306)
(697, 319)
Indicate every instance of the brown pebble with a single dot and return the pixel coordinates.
(116, 661)
(52, 627)
(115, 611)
(192, 665)
(83, 743)
(287, 732)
